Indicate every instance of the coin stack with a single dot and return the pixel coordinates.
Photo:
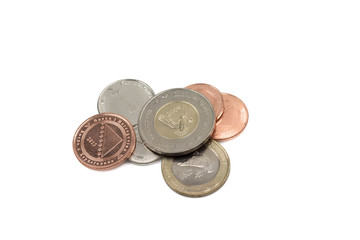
(180, 126)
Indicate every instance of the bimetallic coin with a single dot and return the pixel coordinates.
(125, 97)
(211, 93)
(142, 155)
(199, 173)
(104, 141)
(176, 122)
(234, 119)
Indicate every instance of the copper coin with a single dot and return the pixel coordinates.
(234, 119)
(212, 94)
(104, 141)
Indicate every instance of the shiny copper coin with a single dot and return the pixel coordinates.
(234, 119)
(104, 141)
(212, 94)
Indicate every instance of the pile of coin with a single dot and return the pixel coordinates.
(179, 126)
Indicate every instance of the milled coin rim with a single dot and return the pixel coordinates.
(160, 150)
(204, 189)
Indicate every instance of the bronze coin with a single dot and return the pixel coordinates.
(234, 119)
(104, 141)
(212, 94)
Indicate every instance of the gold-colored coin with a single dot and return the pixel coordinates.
(186, 113)
(176, 122)
(199, 173)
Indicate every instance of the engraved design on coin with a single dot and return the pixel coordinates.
(197, 174)
(180, 118)
(104, 141)
(212, 94)
(125, 97)
(176, 122)
(234, 119)
(107, 138)
(196, 168)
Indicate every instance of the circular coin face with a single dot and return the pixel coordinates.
(142, 155)
(104, 141)
(125, 97)
(199, 173)
(176, 122)
(234, 119)
(212, 94)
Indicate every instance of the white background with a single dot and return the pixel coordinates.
(294, 170)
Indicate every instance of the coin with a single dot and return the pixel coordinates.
(142, 155)
(212, 94)
(199, 173)
(104, 141)
(125, 97)
(234, 119)
(176, 122)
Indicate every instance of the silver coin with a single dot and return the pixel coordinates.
(142, 155)
(176, 122)
(125, 97)
(199, 173)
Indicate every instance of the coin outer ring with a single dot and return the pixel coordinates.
(176, 147)
(103, 93)
(111, 117)
(232, 133)
(213, 95)
(204, 189)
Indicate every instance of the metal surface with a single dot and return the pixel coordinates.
(104, 141)
(199, 173)
(142, 155)
(212, 94)
(125, 97)
(234, 119)
(176, 122)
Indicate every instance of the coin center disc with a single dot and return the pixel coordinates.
(102, 141)
(197, 168)
(176, 120)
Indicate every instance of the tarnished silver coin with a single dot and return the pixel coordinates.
(142, 155)
(176, 122)
(199, 173)
(125, 97)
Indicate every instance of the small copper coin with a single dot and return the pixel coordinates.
(212, 94)
(234, 119)
(104, 141)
